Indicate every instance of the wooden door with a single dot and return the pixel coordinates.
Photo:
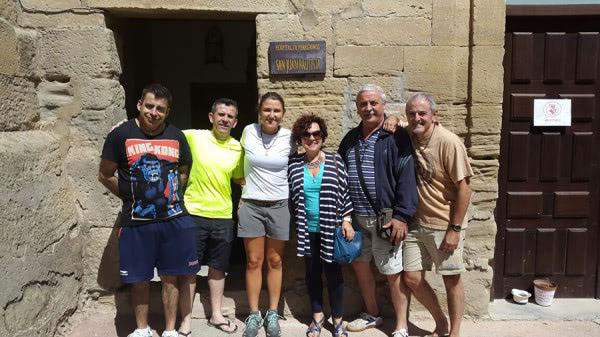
(549, 178)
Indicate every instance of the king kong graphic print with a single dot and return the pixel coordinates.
(154, 179)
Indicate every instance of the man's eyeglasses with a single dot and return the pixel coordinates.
(315, 134)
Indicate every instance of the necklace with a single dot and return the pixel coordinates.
(268, 146)
(425, 143)
(315, 163)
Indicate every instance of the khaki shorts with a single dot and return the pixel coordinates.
(388, 258)
(421, 250)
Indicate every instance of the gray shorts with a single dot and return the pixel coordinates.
(388, 258)
(259, 218)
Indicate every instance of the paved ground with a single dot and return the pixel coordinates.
(565, 318)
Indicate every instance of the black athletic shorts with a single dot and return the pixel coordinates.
(214, 238)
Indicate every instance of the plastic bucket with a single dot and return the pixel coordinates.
(544, 292)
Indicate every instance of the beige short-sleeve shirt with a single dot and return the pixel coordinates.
(441, 161)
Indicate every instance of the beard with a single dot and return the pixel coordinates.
(419, 128)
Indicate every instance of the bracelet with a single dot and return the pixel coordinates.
(348, 219)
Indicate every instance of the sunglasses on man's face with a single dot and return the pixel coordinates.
(316, 134)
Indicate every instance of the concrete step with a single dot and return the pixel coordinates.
(104, 322)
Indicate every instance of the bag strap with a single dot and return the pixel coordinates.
(361, 178)
(337, 179)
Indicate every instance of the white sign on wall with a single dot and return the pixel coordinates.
(552, 112)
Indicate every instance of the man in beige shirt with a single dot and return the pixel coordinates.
(437, 233)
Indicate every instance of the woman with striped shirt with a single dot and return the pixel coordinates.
(320, 201)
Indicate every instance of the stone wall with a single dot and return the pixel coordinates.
(60, 93)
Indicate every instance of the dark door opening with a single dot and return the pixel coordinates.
(199, 61)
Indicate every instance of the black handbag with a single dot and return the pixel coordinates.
(384, 215)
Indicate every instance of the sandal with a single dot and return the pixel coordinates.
(220, 326)
(340, 331)
(315, 329)
(187, 334)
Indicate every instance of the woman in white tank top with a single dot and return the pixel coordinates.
(264, 218)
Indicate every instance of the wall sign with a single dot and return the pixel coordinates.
(297, 57)
(552, 112)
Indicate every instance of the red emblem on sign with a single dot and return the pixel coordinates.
(552, 109)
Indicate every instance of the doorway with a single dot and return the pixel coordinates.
(549, 178)
(198, 61)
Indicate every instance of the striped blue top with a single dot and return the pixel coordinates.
(367, 159)
(334, 202)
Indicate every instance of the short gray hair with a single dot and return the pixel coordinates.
(423, 96)
(372, 87)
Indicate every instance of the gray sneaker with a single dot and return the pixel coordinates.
(272, 323)
(253, 324)
(365, 321)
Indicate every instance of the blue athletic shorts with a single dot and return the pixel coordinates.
(170, 246)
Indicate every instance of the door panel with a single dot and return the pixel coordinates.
(548, 204)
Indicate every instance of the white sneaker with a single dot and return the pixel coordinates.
(172, 333)
(147, 332)
(365, 321)
(400, 333)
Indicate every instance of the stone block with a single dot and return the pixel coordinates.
(40, 235)
(368, 61)
(487, 75)
(332, 7)
(440, 71)
(217, 6)
(97, 206)
(28, 44)
(485, 231)
(51, 6)
(353, 11)
(399, 31)
(27, 156)
(453, 118)
(488, 22)
(18, 104)
(486, 118)
(59, 59)
(485, 174)
(101, 256)
(8, 10)
(393, 87)
(54, 94)
(101, 93)
(450, 23)
(484, 146)
(322, 31)
(405, 8)
(9, 54)
(273, 28)
(41, 20)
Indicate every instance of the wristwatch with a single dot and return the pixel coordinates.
(456, 227)
(348, 219)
